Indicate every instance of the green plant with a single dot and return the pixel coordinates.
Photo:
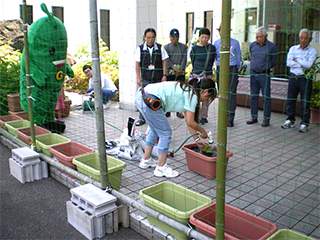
(10, 74)
(314, 73)
(109, 64)
(106, 57)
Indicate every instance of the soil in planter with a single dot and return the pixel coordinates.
(211, 152)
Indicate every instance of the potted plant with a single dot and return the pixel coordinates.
(203, 162)
(314, 73)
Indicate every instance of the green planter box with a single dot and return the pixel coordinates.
(44, 142)
(173, 201)
(14, 126)
(286, 234)
(89, 165)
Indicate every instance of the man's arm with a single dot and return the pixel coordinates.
(184, 50)
(139, 82)
(273, 56)
(291, 59)
(238, 54)
(307, 62)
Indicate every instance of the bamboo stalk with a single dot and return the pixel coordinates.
(222, 118)
(98, 94)
(27, 71)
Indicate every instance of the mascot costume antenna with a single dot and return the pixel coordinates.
(48, 44)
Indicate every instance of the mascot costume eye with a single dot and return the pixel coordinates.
(47, 38)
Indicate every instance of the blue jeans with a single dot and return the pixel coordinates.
(295, 86)
(257, 82)
(158, 124)
(106, 94)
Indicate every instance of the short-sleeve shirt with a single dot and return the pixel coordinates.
(164, 54)
(173, 98)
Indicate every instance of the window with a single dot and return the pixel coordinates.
(29, 13)
(208, 20)
(251, 24)
(58, 12)
(189, 26)
(105, 26)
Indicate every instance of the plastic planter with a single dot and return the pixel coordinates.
(15, 125)
(238, 224)
(66, 152)
(8, 118)
(286, 234)
(44, 142)
(25, 133)
(173, 201)
(22, 114)
(14, 102)
(197, 162)
(89, 165)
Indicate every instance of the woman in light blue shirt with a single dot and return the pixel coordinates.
(174, 97)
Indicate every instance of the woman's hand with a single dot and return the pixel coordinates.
(203, 134)
(201, 145)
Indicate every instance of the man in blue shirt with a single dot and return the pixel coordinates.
(235, 60)
(263, 58)
(300, 59)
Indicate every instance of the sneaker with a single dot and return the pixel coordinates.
(252, 121)
(165, 171)
(204, 120)
(265, 123)
(303, 128)
(140, 122)
(180, 115)
(287, 124)
(148, 163)
(106, 105)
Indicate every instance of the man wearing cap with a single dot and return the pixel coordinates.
(177, 61)
(234, 65)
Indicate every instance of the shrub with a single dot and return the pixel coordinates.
(10, 74)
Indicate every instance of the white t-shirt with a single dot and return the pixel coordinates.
(164, 54)
(106, 83)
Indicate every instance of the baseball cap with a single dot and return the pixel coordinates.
(174, 33)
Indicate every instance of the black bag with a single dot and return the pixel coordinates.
(55, 126)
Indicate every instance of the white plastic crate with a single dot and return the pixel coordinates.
(93, 200)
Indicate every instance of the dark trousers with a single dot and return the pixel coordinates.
(233, 84)
(257, 82)
(304, 87)
(145, 83)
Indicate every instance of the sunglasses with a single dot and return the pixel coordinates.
(87, 71)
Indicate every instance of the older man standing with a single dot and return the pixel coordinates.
(263, 58)
(234, 65)
(300, 59)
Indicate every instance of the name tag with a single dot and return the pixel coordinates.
(151, 67)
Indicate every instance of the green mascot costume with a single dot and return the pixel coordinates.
(48, 44)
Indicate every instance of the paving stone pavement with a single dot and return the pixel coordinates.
(273, 173)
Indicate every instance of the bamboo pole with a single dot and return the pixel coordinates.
(27, 71)
(98, 94)
(222, 118)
